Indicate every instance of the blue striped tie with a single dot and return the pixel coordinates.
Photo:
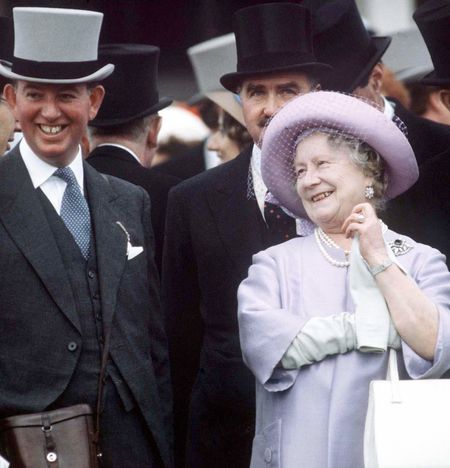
(75, 210)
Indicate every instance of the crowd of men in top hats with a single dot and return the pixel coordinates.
(88, 248)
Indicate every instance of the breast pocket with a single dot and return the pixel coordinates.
(267, 446)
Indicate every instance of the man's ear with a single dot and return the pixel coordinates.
(153, 131)
(9, 92)
(96, 96)
(444, 95)
(376, 78)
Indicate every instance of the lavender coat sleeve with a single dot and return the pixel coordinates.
(263, 298)
(432, 276)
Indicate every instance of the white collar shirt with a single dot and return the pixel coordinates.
(41, 174)
(135, 156)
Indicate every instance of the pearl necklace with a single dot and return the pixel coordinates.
(321, 239)
(328, 241)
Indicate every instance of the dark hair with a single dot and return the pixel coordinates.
(133, 129)
(209, 113)
(235, 131)
(420, 95)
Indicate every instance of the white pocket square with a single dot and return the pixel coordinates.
(133, 251)
(3, 463)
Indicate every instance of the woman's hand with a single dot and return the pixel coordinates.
(364, 222)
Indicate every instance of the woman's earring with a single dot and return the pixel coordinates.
(369, 192)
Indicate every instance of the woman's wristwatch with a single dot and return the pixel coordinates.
(381, 267)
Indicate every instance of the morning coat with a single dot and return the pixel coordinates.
(213, 228)
(41, 338)
(115, 161)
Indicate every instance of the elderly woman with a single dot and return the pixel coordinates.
(317, 313)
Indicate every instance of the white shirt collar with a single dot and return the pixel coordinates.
(135, 156)
(210, 157)
(259, 187)
(40, 171)
(389, 108)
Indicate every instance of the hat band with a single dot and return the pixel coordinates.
(54, 70)
(274, 60)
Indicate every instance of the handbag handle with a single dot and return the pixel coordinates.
(392, 376)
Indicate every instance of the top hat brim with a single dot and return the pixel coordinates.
(224, 99)
(228, 102)
(108, 122)
(196, 98)
(412, 74)
(232, 81)
(432, 79)
(98, 75)
(380, 45)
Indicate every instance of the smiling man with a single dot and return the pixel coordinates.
(216, 221)
(77, 273)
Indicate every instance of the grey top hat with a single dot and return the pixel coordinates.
(407, 56)
(55, 45)
(210, 60)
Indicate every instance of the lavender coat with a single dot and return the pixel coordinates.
(314, 417)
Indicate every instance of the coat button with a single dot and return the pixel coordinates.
(91, 274)
(51, 456)
(267, 455)
(72, 346)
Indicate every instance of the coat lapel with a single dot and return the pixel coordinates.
(23, 217)
(237, 216)
(110, 239)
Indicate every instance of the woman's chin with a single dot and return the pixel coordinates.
(327, 223)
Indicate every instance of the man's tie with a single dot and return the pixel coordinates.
(281, 226)
(75, 210)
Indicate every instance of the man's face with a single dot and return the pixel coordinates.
(262, 96)
(53, 117)
(7, 125)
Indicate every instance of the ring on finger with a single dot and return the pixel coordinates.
(360, 218)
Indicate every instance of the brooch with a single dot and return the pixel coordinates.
(399, 247)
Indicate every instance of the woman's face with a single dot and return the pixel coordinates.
(220, 142)
(328, 182)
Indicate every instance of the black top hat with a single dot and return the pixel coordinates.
(433, 20)
(272, 37)
(6, 44)
(131, 91)
(6, 39)
(342, 40)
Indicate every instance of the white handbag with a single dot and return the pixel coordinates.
(408, 422)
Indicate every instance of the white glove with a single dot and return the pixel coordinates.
(325, 336)
(374, 328)
(321, 337)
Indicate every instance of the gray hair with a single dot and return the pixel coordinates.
(368, 160)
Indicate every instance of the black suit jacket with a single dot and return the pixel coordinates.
(37, 309)
(120, 163)
(185, 165)
(427, 138)
(423, 212)
(212, 231)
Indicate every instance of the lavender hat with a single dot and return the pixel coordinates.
(336, 112)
